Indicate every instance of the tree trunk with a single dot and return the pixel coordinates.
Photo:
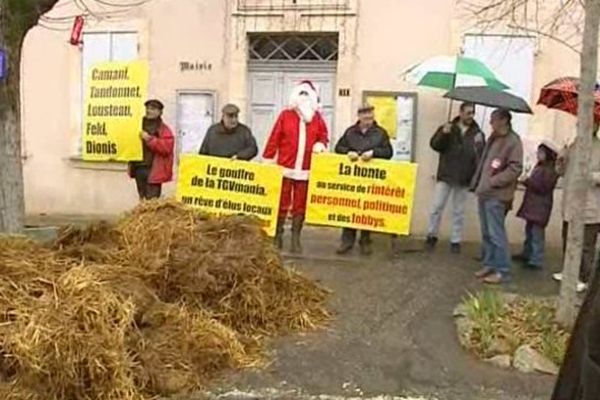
(16, 18)
(567, 308)
(12, 203)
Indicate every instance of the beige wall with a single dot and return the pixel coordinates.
(378, 38)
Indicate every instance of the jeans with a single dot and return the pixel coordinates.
(496, 254)
(459, 197)
(533, 248)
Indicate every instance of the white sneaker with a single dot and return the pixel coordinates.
(558, 276)
(581, 287)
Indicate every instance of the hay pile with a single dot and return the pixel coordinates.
(155, 304)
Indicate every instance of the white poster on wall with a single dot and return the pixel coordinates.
(511, 58)
(405, 128)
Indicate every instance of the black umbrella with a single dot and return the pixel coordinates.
(489, 97)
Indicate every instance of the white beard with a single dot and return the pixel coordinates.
(306, 109)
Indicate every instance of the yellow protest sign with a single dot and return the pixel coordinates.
(386, 113)
(376, 195)
(113, 111)
(225, 186)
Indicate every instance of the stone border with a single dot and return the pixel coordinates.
(525, 359)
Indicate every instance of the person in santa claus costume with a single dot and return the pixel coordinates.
(299, 131)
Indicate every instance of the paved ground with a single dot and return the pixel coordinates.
(393, 334)
(393, 337)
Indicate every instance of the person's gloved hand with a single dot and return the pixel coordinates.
(319, 148)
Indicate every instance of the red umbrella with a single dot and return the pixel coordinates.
(562, 93)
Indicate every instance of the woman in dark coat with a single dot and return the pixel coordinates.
(537, 205)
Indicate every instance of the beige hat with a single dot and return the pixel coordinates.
(231, 109)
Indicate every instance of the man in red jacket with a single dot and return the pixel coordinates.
(299, 131)
(156, 167)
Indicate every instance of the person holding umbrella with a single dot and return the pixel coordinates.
(494, 183)
(459, 144)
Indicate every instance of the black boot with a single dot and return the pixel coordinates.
(348, 238)
(278, 240)
(365, 243)
(297, 223)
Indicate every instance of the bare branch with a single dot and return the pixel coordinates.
(562, 24)
(546, 35)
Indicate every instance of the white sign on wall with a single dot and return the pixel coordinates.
(511, 58)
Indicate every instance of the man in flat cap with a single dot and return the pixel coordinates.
(364, 140)
(229, 138)
(158, 144)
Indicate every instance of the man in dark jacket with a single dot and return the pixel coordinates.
(229, 138)
(459, 144)
(495, 182)
(365, 140)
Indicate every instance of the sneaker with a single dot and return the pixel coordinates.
(430, 242)
(581, 286)
(495, 278)
(485, 271)
(558, 276)
(455, 248)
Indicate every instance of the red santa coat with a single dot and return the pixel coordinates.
(292, 141)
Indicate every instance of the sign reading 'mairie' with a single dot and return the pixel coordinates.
(113, 111)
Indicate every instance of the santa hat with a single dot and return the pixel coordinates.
(305, 86)
(309, 84)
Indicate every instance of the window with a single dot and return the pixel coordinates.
(277, 5)
(286, 47)
(100, 47)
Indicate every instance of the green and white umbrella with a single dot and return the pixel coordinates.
(448, 72)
